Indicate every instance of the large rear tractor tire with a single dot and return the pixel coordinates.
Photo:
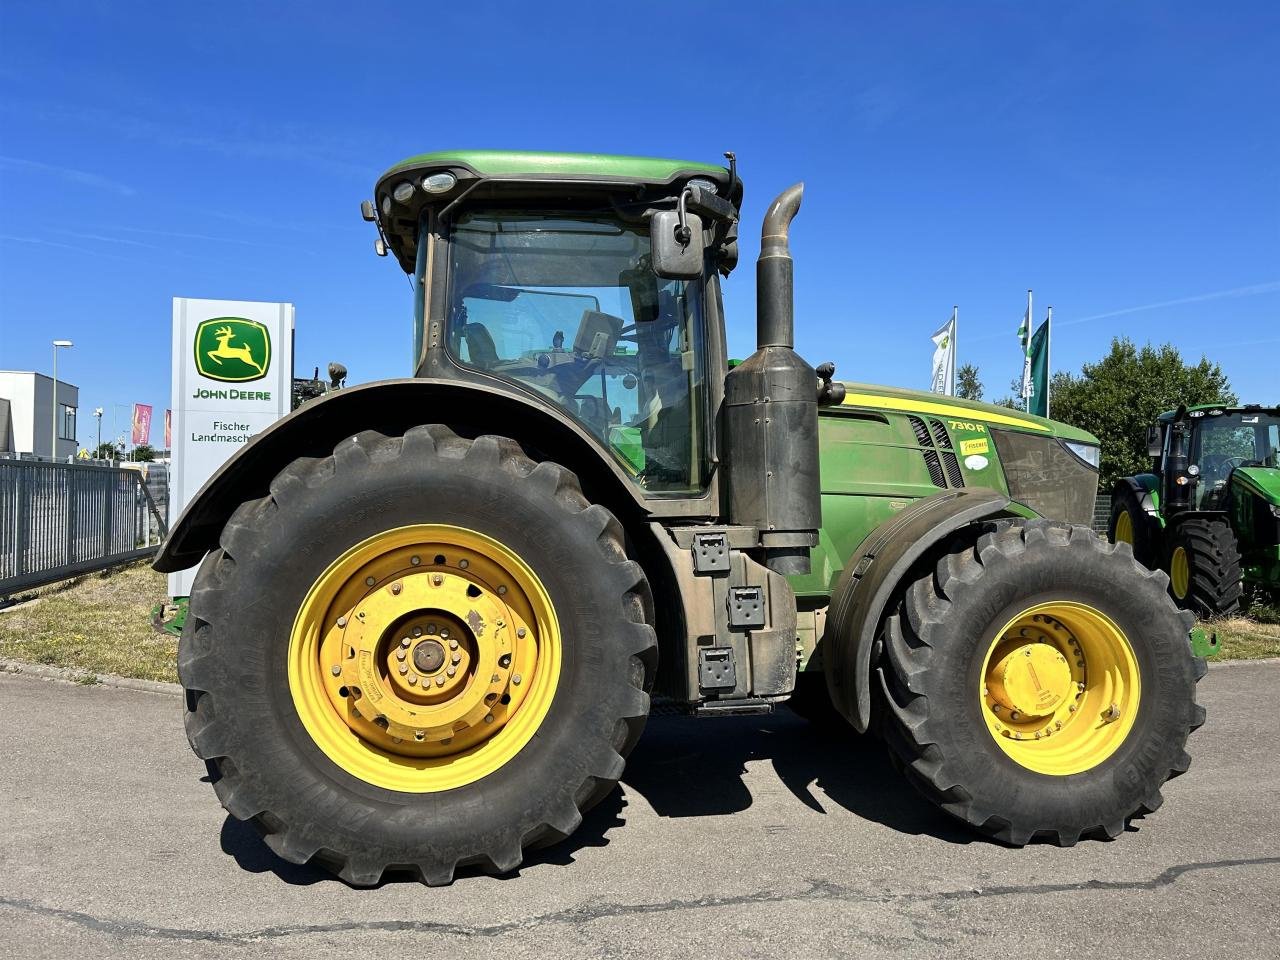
(419, 653)
(1130, 524)
(1038, 683)
(1204, 568)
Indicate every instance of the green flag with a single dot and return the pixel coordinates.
(1038, 367)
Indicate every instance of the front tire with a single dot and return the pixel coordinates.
(1039, 683)
(419, 653)
(1130, 524)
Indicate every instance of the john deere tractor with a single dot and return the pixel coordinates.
(431, 613)
(1208, 513)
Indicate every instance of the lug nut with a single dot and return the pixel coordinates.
(400, 654)
(404, 668)
(521, 632)
(342, 621)
(431, 628)
(504, 660)
(456, 658)
(413, 679)
(415, 560)
(453, 644)
(516, 679)
(451, 671)
(439, 681)
(336, 670)
(444, 633)
(405, 643)
(436, 579)
(369, 581)
(463, 564)
(417, 631)
(396, 588)
(1015, 715)
(502, 591)
(489, 717)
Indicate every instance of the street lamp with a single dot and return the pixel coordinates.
(53, 449)
(97, 415)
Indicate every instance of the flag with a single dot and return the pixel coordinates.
(168, 429)
(1024, 338)
(1038, 365)
(141, 423)
(944, 357)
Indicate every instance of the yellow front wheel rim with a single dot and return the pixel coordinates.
(424, 658)
(1180, 573)
(1060, 688)
(1124, 528)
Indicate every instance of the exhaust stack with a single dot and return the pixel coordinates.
(771, 413)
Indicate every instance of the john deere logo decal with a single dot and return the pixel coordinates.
(232, 349)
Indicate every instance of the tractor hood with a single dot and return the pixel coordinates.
(1262, 482)
(874, 397)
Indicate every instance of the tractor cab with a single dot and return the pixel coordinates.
(586, 282)
(1215, 441)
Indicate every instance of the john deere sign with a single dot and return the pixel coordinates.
(232, 349)
(232, 376)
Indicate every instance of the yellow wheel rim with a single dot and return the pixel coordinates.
(424, 658)
(1180, 573)
(1060, 688)
(1124, 528)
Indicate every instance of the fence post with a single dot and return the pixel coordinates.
(21, 520)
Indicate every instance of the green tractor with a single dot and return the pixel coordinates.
(1208, 513)
(431, 613)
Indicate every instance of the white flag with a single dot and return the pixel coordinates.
(944, 358)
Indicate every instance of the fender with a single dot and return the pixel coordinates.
(1145, 488)
(393, 406)
(871, 577)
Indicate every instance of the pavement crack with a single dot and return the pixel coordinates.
(817, 890)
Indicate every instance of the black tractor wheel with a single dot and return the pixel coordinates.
(1130, 524)
(419, 653)
(1204, 568)
(1037, 682)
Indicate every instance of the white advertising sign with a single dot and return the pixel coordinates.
(232, 378)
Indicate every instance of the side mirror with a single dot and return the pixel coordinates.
(676, 246)
(1155, 442)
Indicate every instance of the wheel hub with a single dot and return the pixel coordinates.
(428, 656)
(1033, 679)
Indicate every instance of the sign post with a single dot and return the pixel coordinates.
(232, 378)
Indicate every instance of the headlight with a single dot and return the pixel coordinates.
(1275, 510)
(403, 192)
(1085, 451)
(439, 182)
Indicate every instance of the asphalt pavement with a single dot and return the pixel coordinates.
(747, 837)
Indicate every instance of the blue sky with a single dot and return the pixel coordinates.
(1121, 159)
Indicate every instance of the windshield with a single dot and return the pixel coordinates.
(567, 305)
(1222, 443)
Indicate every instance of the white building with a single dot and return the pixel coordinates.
(29, 411)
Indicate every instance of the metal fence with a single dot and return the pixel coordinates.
(60, 520)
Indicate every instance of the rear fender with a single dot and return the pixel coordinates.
(871, 577)
(392, 407)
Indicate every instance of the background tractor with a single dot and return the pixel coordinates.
(431, 612)
(1208, 513)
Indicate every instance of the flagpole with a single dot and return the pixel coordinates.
(955, 341)
(1048, 360)
(1026, 353)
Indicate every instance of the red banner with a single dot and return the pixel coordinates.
(141, 423)
(168, 429)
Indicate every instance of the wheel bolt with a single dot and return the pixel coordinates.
(444, 634)
(489, 718)
(456, 658)
(463, 564)
(336, 670)
(451, 671)
(504, 660)
(516, 679)
(439, 681)
(415, 560)
(400, 654)
(521, 632)
(1015, 715)
(369, 581)
(396, 588)
(436, 579)
(413, 679)
(405, 643)
(431, 628)
(502, 591)
(417, 631)
(453, 644)
(404, 668)
(342, 621)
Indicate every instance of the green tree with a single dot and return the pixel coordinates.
(968, 385)
(143, 453)
(1118, 397)
(105, 451)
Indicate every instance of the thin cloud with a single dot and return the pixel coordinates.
(82, 177)
(177, 235)
(1271, 286)
(40, 242)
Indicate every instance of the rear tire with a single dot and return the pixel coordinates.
(1204, 568)
(933, 680)
(239, 665)
(1130, 524)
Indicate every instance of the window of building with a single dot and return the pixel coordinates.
(67, 423)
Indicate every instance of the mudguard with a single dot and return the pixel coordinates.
(873, 573)
(391, 406)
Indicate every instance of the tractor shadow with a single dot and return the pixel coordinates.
(696, 768)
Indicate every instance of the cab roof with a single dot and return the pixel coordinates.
(1217, 408)
(533, 165)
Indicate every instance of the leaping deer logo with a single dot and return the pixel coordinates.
(224, 336)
